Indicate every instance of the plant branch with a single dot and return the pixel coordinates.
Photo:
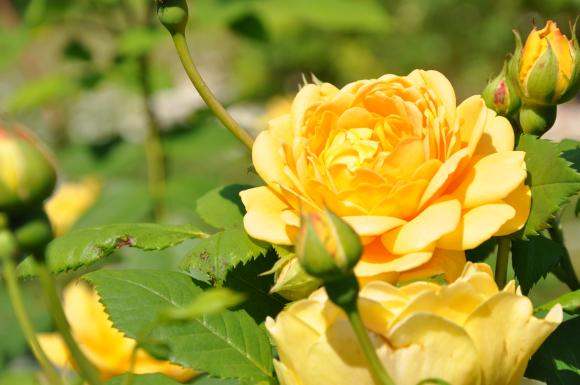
(85, 367)
(7, 251)
(206, 94)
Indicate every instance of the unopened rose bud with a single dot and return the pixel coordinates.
(33, 232)
(27, 172)
(547, 67)
(501, 95)
(293, 283)
(327, 247)
(173, 14)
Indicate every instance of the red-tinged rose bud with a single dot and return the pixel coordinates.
(27, 170)
(501, 94)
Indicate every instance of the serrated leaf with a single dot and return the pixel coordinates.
(228, 345)
(212, 258)
(551, 180)
(533, 258)
(83, 247)
(557, 362)
(570, 303)
(222, 207)
(571, 152)
(248, 279)
(143, 379)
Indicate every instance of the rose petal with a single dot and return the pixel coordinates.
(521, 200)
(477, 225)
(504, 359)
(447, 262)
(443, 342)
(263, 219)
(498, 136)
(373, 225)
(426, 228)
(492, 178)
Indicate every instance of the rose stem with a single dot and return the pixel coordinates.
(85, 367)
(7, 251)
(205, 93)
(501, 263)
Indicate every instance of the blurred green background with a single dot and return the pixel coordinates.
(83, 75)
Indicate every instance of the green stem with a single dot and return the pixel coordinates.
(377, 370)
(205, 93)
(7, 249)
(84, 366)
(343, 292)
(566, 272)
(501, 264)
(153, 147)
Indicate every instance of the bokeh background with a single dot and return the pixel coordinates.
(90, 76)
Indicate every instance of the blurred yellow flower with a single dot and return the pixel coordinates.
(69, 202)
(466, 333)
(418, 178)
(104, 346)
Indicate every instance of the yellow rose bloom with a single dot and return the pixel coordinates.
(419, 178)
(69, 202)
(466, 333)
(106, 347)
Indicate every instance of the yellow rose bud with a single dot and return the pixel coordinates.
(418, 178)
(106, 347)
(327, 247)
(468, 332)
(548, 66)
(27, 171)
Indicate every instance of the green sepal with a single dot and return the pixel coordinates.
(541, 83)
(536, 120)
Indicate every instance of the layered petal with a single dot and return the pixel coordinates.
(263, 219)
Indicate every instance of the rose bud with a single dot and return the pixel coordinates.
(536, 120)
(501, 95)
(27, 170)
(547, 67)
(327, 247)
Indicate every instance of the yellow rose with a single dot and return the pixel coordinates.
(69, 202)
(467, 333)
(418, 178)
(548, 66)
(104, 346)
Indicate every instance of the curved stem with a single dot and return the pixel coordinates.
(85, 368)
(6, 252)
(501, 263)
(377, 370)
(206, 94)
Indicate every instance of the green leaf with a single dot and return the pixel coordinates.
(551, 179)
(534, 258)
(83, 247)
(557, 362)
(222, 207)
(143, 379)
(207, 380)
(228, 345)
(248, 279)
(570, 303)
(571, 152)
(212, 258)
(209, 302)
(482, 252)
